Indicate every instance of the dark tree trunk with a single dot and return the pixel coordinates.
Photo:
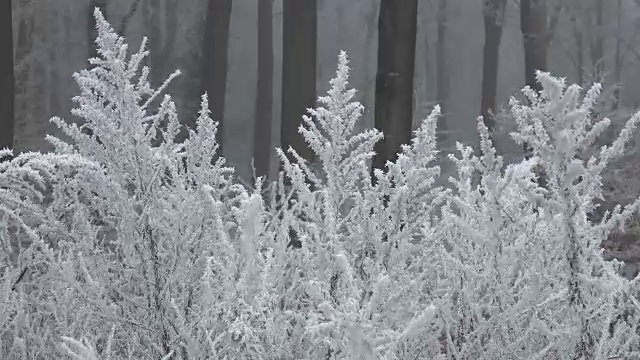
(397, 25)
(535, 37)
(7, 82)
(215, 50)
(93, 32)
(152, 19)
(533, 24)
(578, 37)
(494, 11)
(618, 57)
(264, 92)
(299, 39)
(442, 77)
(597, 46)
(171, 27)
(22, 79)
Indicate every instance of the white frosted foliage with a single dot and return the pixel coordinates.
(146, 247)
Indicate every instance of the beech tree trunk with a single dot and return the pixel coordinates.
(617, 71)
(23, 88)
(533, 24)
(215, 51)
(494, 11)
(299, 39)
(442, 73)
(578, 37)
(397, 25)
(264, 91)
(597, 44)
(152, 19)
(7, 82)
(171, 28)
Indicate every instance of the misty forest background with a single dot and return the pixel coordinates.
(263, 62)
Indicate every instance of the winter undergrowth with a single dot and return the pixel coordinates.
(125, 243)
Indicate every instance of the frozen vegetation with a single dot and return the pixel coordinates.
(123, 243)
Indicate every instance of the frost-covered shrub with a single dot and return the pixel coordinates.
(146, 247)
(164, 203)
(34, 240)
(363, 274)
(527, 279)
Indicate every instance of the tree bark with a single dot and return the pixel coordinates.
(215, 52)
(7, 81)
(299, 39)
(618, 57)
(152, 19)
(170, 14)
(397, 25)
(535, 37)
(533, 24)
(264, 91)
(597, 45)
(494, 11)
(578, 37)
(23, 77)
(442, 77)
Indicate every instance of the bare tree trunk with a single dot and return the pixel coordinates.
(597, 45)
(578, 37)
(533, 24)
(397, 25)
(535, 37)
(299, 39)
(618, 60)
(7, 81)
(494, 11)
(215, 51)
(22, 75)
(152, 25)
(442, 81)
(160, 21)
(29, 130)
(368, 93)
(442, 77)
(56, 26)
(264, 92)
(171, 32)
